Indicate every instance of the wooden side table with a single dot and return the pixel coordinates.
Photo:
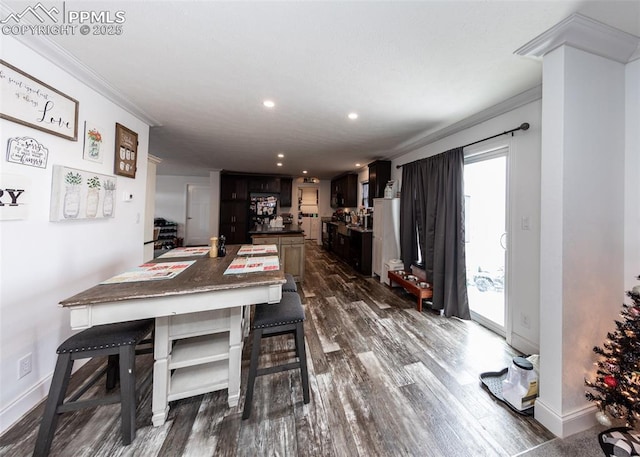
(411, 287)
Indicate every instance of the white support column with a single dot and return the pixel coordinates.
(582, 209)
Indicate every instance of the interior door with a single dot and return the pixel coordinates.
(485, 188)
(198, 205)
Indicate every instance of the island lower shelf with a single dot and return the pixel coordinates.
(199, 379)
(200, 346)
(200, 350)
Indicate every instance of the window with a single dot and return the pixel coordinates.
(365, 194)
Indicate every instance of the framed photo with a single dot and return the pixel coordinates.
(28, 101)
(126, 154)
(93, 142)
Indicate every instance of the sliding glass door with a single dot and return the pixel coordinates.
(485, 186)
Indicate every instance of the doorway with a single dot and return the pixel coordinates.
(197, 225)
(485, 187)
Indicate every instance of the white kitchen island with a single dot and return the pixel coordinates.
(200, 318)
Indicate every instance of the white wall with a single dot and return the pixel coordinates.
(632, 171)
(524, 201)
(45, 262)
(171, 197)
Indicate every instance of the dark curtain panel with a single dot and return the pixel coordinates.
(437, 189)
(408, 216)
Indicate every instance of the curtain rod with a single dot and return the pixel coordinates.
(523, 126)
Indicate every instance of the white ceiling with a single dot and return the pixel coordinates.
(202, 69)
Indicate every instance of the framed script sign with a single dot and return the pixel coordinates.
(126, 154)
(31, 102)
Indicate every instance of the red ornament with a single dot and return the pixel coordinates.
(611, 381)
(634, 311)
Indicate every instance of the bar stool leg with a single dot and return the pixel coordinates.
(128, 393)
(253, 370)
(302, 356)
(57, 391)
(113, 364)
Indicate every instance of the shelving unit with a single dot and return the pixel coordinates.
(200, 350)
(167, 234)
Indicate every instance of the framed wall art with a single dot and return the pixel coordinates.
(28, 101)
(126, 154)
(27, 151)
(93, 140)
(78, 194)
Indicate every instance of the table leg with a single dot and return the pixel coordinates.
(236, 336)
(160, 405)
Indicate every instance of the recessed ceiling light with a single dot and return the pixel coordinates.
(281, 155)
(304, 172)
(269, 103)
(279, 164)
(357, 165)
(353, 116)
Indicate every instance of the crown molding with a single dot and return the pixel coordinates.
(510, 104)
(587, 34)
(153, 159)
(69, 63)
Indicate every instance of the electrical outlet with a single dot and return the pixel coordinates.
(24, 366)
(524, 320)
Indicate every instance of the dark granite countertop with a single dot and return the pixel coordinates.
(288, 229)
(353, 228)
(206, 275)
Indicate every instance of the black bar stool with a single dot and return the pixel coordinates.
(118, 341)
(281, 318)
(290, 285)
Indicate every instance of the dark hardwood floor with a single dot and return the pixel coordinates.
(385, 381)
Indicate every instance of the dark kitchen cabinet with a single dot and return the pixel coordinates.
(359, 256)
(235, 190)
(344, 191)
(354, 246)
(233, 212)
(286, 189)
(234, 221)
(264, 184)
(233, 187)
(379, 175)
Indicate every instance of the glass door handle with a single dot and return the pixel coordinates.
(503, 239)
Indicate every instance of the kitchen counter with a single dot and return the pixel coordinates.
(343, 227)
(290, 244)
(288, 229)
(352, 243)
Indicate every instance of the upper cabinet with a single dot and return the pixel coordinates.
(344, 191)
(286, 188)
(264, 184)
(379, 175)
(233, 187)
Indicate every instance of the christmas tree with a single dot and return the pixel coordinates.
(616, 388)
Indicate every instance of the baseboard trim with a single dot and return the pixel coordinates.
(523, 345)
(26, 402)
(23, 405)
(569, 424)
